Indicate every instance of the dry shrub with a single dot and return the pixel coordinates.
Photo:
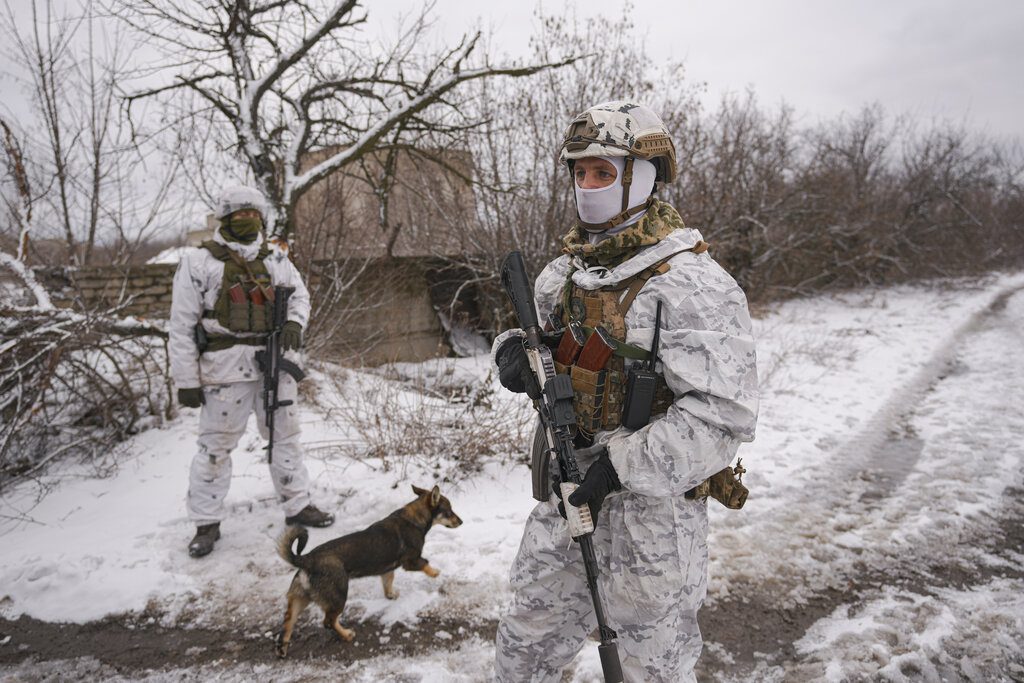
(74, 386)
(402, 415)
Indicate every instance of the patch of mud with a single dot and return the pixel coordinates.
(120, 644)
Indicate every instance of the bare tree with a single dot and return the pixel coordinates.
(20, 207)
(77, 149)
(283, 79)
(71, 384)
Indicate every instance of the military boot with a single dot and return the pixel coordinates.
(311, 516)
(202, 543)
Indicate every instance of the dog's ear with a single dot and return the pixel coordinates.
(417, 490)
(435, 496)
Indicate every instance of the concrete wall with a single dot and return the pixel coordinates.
(387, 314)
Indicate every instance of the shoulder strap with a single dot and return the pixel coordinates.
(218, 251)
(660, 268)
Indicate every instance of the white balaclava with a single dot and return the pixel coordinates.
(601, 204)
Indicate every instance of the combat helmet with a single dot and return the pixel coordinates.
(239, 197)
(621, 129)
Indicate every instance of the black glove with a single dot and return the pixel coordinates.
(514, 370)
(191, 398)
(600, 480)
(291, 336)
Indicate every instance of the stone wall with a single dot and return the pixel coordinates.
(386, 315)
(142, 290)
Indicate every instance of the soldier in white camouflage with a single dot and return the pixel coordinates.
(647, 487)
(220, 319)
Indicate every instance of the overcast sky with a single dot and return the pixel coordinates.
(952, 59)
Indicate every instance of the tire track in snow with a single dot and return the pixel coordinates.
(753, 630)
(882, 453)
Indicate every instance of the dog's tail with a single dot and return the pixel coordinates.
(284, 545)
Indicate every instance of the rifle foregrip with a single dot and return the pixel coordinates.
(579, 519)
(520, 293)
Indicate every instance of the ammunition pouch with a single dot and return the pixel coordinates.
(725, 486)
(245, 300)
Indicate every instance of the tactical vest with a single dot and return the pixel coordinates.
(249, 306)
(600, 394)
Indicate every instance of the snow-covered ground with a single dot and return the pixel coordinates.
(889, 433)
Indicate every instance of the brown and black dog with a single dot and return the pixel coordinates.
(395, 541)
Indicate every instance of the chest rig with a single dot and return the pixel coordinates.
(600, 393)
(246, 297)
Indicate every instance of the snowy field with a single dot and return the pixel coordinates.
(881, 539)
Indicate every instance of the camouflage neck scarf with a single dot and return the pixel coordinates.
(244, 230)
(655, 225)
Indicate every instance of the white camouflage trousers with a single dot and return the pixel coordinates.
(652, 554)
(222, 422)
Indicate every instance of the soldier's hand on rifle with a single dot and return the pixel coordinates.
(291, 336)
(514, 370)
(191, 398)
(600, 480)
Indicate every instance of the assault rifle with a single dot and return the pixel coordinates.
(559, 420)
(272, 361)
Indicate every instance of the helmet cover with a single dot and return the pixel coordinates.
(239, 197)
(621, 129)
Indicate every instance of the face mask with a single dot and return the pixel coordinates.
(601, 204)
(244, 230)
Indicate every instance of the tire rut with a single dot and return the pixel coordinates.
(758, 630)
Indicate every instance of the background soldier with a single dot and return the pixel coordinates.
(219, 320)
(628, 252)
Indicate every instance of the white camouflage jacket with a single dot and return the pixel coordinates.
(196, 286)
(706, 354)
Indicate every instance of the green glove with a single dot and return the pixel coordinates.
(291, 336)
(191, 398)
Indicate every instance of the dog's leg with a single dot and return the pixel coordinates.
(333, 618)
(420, 565)
(389, 579)
(296, 603)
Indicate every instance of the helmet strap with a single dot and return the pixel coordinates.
(627, 180)
(618, 218)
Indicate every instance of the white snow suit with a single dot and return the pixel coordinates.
(232, 383)
(650, 541)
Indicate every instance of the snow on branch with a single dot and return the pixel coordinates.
(24, 273)
(294, 79)
(431, 94)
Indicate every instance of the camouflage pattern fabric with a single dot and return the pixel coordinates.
(222, 422)
(655, 225)
(651, 541)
